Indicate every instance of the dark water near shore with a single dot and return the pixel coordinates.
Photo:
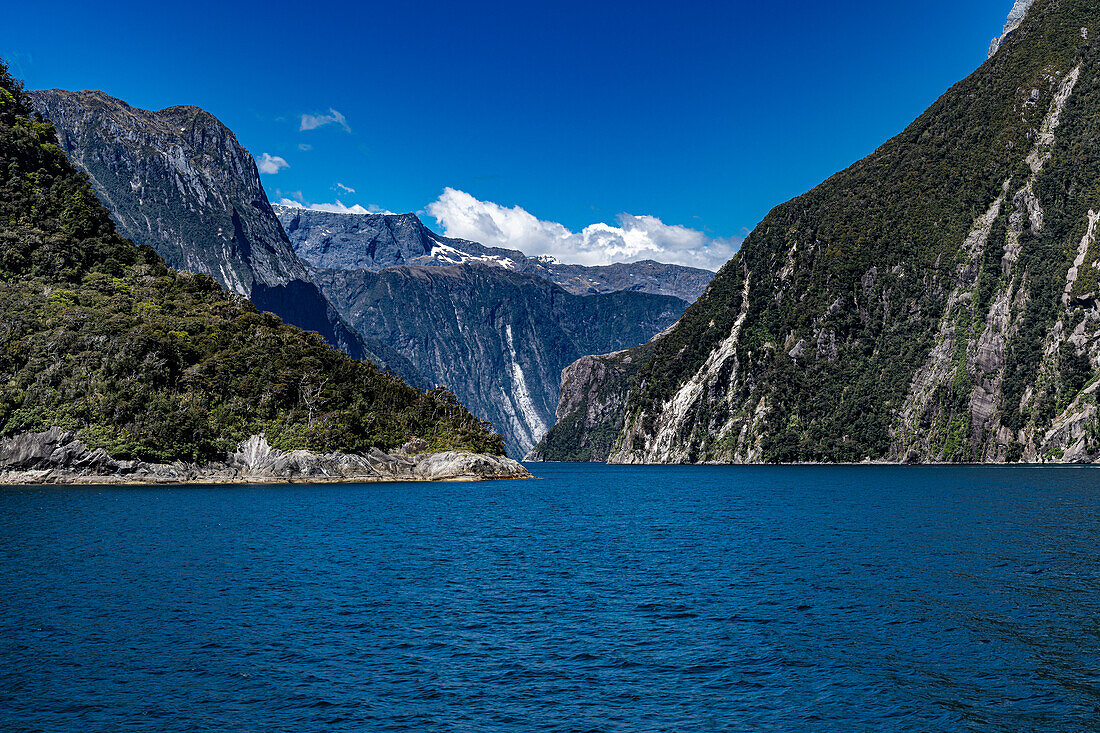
(600, 598)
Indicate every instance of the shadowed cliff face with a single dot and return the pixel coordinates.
(937, 301)
(498, 339)
(376, 241)
(178, 181)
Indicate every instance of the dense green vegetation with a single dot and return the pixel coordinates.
(101, 337)
(876, 250)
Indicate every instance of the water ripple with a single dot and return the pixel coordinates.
(598, 599)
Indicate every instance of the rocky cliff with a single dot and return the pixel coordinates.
(595, 391)
(937, 301)
(178, 181)
(141, 362)
(1015, 18)
(498, 339)
(348, 241)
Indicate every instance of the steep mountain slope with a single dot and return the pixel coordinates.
(498, 339)
(99, 337)
(178, 181)
(934, 302)
(374, 241)
(594, 395)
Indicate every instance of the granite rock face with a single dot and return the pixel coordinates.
(178, 181)
(595, 391)
(52, 449)
(496, 338)
(56, 456)
(345, 241)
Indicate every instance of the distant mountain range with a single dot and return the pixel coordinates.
(348, 241)
(498, 339)
(491, 324)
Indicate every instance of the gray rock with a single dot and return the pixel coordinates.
(52, 449)
(57, 456)
(497, 339)
(1015, 18)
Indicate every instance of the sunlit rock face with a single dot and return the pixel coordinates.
(57, 456)
(498, 339)
(1015, 18)
(179, 181)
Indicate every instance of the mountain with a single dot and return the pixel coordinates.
(589, 416)
(178, 181)
(936, 301)
(349, 241)
(496, 338)
(493, 325)
(122, 357)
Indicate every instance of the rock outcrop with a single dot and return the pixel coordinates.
(56, 456)
(595, 391)
(1015, 18)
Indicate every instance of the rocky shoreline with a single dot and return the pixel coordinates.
(57, 456)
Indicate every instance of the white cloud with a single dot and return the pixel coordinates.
(634, 238)
(312, 122)
(334, 208)
(271, 163)
(304, 147)
(345, 189)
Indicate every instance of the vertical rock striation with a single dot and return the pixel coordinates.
(498, 339)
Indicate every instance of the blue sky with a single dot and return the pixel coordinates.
(694, 118)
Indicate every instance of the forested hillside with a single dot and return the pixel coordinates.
(101, 337)
(934, 302)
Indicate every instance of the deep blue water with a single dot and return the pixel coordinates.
(599, 598)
